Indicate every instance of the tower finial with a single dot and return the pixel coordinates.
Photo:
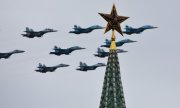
(113, 20)
(113, 41)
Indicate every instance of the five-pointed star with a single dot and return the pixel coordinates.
(113, 20)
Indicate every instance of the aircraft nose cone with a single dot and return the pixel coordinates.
(131, 41)
(64, 65)
(20, 51)
(82, 48)
(101, 27)
(55, 30)
(67, 65)
(79, 48)
(155, 27)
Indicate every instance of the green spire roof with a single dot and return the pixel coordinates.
(112, 93)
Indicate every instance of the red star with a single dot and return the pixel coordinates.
(113, 20)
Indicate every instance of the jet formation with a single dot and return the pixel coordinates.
(43, 68)
(30, 33)
(118, 44)
(79, 30)
(130, 30)
(85, 67)
(59, 51)
(8, 54)
(102, 54)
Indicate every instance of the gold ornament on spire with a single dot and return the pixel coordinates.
(113, 23)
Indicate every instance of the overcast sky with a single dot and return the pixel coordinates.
(150, 69)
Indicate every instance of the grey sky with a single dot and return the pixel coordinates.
(150, 70)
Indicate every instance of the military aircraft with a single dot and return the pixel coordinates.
(118, 44)
(59, 51)
(8, 54)
(43, 68)
(101, 53)
(85, 67)
(79, 30)
(30, 33)
(130, 30)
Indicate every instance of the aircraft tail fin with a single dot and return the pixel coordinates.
(108, 41)
(55, 48)
(100, 50)
(127, 26)
(82, 64)
(27, 29)
(76, 27)
(40, 65)
(31, 30)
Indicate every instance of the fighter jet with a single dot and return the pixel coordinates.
(8, 54)
(43, 68)
(130, 30)
(59, 51)
(79, 30)
(30, 33)
(102, 54)
(85, 67)
(118, 44)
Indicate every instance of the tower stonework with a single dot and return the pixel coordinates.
(112, 93)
